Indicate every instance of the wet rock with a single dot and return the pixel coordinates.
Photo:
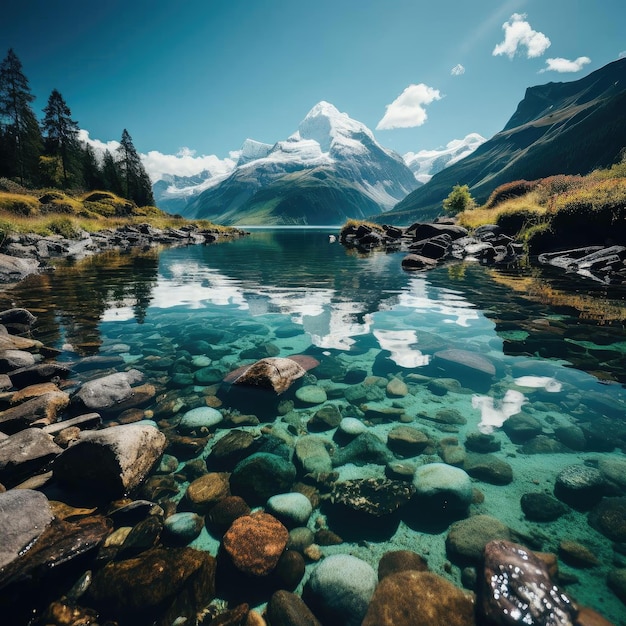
(613, 471)
(516, 588)
(470, 365)
(230, 449)
(24, 454)
(442, 386)
(577, 555)
(579, 486)
(24, 516)
(300, 539)
(374, 496)
(38, 373)
(397, 388)
(290, 569)
(60, 542)
(106, 392)
(414, 598)
(312, 454)
(311, 395)
(142, 537)
(255, 542)
(541, 507)
(226, 511)
(183, 446)
(541, 444)
(13, 359)
(287, 609)
(200, 421)
(400, 561)
(292, 509)
(467, 538)
(363, 449)
(275, 373)
(207, 490)
(488, 468)
(13, 269)
(482, 442)
(328, 417)
(261, 476)
(616, 581)
(339, 590)
(407, 441)
(451, 452)
(182, 528)
(571, 436)
(165, 583)
(521, 427)
(418, 262)
(609, 518)
(43, 409)
(443, 487)
(111, 461)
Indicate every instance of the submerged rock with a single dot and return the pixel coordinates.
(375, 496)
(413, 598)
(516, 589)
(274, 373)
(339, 590)
(111, 461)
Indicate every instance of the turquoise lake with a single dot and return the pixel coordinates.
(186, 317)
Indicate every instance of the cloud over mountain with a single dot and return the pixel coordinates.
(408, 109)
(561, 65)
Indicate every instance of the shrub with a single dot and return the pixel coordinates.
(19, 204)
(514, 222)
(458, 200)
(65, 227)
(510, 190)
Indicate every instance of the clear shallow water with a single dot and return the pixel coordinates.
(557, 346)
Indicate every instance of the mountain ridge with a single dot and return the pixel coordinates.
(558, 128)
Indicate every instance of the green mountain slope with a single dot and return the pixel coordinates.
(559, 128)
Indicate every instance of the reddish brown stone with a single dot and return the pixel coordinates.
(255, 543)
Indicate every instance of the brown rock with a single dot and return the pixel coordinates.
(577, 555)
(413, 598)
(255, 543)
(33, 391)
(288, 609)
(232, 617)
(208, 490)
(165, 584)
(407, 441)
(400, 561)
(609, 518)
(226, 511)
(589, 617)
(396, 388)
(290, 569)
(273, 373)
(43, 409)
(467, 538)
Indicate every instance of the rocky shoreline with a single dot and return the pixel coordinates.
(108, 480)
(25, 254)
(430, 244)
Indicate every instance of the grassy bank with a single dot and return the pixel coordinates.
(50, 211)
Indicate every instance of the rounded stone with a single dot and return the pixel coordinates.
(467, 538)
(400, 561)
(413, 598)
(183, 527)
(311, 394)
(541, 507)
(397, 388)
(448, 485)
(300, 538)
(339, 589)
(255, 543)
(200, 420)
(609, 518)
(579, 486)
(352, 426)
(291, 508)
(407, 441)
(226, 511)
(287, 609)
(207, 490)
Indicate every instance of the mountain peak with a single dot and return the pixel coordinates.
(325, 123)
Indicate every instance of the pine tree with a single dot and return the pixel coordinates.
(111, 175)
(61, 134)
(91, 171)
(135, 180)
(20, 131)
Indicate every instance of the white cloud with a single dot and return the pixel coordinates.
(183, 163)
(407, 110)
(622, 55)
(457, 70)
(559, 64)
(518, 34)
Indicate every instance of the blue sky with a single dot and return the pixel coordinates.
(198, 77)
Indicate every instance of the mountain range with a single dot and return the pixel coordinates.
(331, 169)
(558, 128)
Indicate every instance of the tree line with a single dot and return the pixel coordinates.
(50, 154)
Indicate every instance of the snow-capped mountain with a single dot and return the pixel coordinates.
(330, 169)
(426, 163)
